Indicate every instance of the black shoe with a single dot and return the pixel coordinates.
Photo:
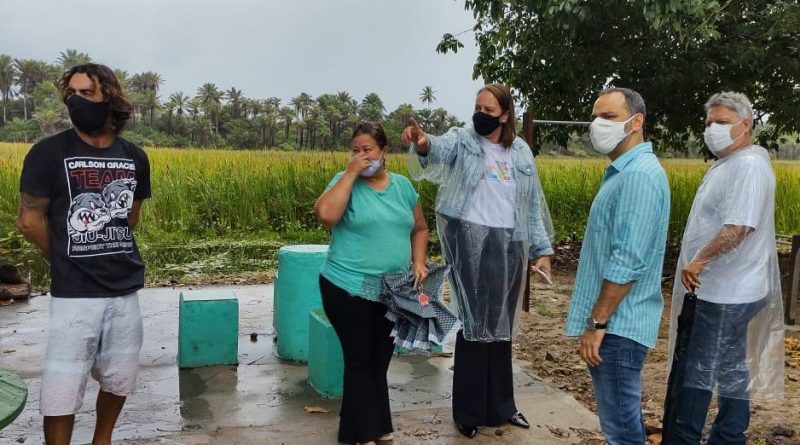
(519, 420)
(468, 431)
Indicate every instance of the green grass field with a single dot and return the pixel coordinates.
(220, 211)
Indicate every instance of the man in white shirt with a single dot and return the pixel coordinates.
(729, 259)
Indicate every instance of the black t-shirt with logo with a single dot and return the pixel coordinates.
(91, 190)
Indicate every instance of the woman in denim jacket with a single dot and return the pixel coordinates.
(492, 219)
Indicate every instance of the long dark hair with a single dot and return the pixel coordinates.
(119, 105)
(503, 96)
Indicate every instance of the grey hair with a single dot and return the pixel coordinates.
(736, 102)
(633, 100)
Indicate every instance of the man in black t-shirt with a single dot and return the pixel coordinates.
(81, 194)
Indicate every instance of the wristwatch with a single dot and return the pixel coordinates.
(593, 325)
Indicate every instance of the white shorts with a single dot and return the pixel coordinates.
(101, 335)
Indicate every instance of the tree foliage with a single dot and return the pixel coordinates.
(213, 116)
(557, 54)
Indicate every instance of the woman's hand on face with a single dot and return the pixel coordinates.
(413, 134)
(420, 273)
(357, 164)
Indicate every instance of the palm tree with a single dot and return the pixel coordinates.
(287, 116)
(252, 107)
(330, 108)
(73, 57)
(266, 125)
(30, 74)
(199, 127)
(301, 104)
(49, 119)
(194, 106)
(151, 103)
(372, 108)
(344, 96)
(312, 120)
(274, 102)
(453, 121)
(373, 100)
(180, 102)
(427, 96)
(123, 78)
(403, 113)
(234, 98)
(8, 77)
(439, 120)
(139, 102)
(211, 99)
(423, 116)
(147, 84)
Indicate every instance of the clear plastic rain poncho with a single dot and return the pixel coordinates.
(488, 264)
(736, 341)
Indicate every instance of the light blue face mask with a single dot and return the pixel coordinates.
(374, 165)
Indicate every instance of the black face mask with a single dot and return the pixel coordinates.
(484, 123)
(87, 116)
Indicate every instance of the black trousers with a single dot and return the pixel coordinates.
(364, 333)
(488, 273)
(483, 383)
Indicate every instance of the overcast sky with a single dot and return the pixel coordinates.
(265, 48)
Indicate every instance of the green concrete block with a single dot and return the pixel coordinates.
(275, 294)
(208, 328)
(325, 358)
(298, 289)
(13, 395)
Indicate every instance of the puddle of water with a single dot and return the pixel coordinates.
(262, 390)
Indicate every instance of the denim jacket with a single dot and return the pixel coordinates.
(455, 161)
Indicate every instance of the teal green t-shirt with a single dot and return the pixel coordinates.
(373, 237)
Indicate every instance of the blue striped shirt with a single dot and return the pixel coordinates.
(624, 242)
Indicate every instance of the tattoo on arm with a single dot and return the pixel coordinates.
(33, 204)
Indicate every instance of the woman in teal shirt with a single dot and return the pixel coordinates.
(377, 227)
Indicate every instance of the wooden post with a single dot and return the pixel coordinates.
(527, 134)
(794, 283)
(527, 128)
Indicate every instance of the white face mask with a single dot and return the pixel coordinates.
(718, 137)
(374, 165)
(606, 134)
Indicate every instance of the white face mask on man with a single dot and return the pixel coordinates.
(606, 134)
(718, 136)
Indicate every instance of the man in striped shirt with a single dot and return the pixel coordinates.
(617, 303)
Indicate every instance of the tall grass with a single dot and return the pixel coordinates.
(238, 206)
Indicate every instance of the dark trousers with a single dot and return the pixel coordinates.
(487, 276)
(364, 333)
(729, 427)
(483, 383)
(716, 358)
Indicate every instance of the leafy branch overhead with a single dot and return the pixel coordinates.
(557, 54)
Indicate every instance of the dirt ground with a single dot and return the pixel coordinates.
(555, 358)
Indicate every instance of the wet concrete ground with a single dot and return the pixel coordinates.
(263, 399)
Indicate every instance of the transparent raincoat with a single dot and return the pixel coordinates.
(488, 264)
(736, 342)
